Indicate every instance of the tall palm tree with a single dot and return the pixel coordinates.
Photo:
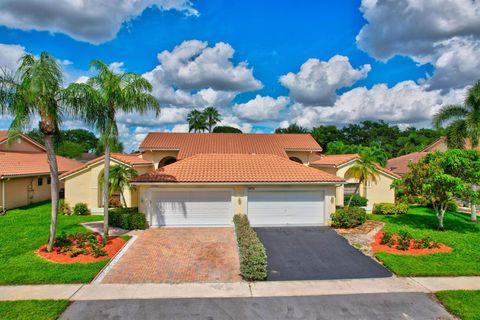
(196, 121)
(212, 117)
(364, 170)
(119, 178)
(99, 100)
(34, 90)
(464, 123)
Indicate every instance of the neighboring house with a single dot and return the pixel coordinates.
(399, 165)
(375, 192)
(24, 171)
(198, 179)
(441, 145)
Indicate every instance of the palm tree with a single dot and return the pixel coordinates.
(364, 170)
(464, 123)
(119, 178)
(196, 121)
(97, 103)
(212, 117)
(34, 90)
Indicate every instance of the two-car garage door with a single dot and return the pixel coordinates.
(214, 207)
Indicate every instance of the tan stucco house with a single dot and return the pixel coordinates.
(195, 179)
(24, 171)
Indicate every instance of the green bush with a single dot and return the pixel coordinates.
(253, 256)
(452, 206)
(81, 209)
(64, 208)
(348, 217)
(127, 218)
(357, 200)
(390, 208)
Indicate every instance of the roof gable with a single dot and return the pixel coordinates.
(190, 144)
(34, 146)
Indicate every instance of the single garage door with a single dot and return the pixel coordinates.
(279, 208)
(191, 208)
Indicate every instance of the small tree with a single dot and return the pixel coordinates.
(196, 121)
(363, 171)
(438, 178)
(119, 178)
(212, 117)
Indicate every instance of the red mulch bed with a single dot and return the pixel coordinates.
(113, 245)
(376, 247)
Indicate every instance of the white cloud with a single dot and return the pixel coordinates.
(406, 102)
(232, 121)
(317, 81)
(261, 108)
(194, 65)
(180, 128)
(10, 55)
(445, 33)
(116, 67)
(94, 21)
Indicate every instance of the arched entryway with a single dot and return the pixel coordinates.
(166, 161)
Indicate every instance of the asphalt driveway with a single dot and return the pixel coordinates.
(314, 253)
(361, 306)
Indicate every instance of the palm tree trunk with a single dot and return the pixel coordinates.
(106, 187)
(52, 162)
(350, 200)
(123, 198)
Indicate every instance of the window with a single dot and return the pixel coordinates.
(296, 159)
(40, 181)
(49, 180)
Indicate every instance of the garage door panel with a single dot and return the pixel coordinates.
(286, 207)
(191, 208)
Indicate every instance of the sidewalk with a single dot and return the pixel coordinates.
(77, 292)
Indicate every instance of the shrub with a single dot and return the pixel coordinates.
(387, 239)
(127, 218)
(348, 217)
(64, 208)
(357, 200)
(253, 256)
(390, 208)
(81, 209)
(404, 239)
(452, 206)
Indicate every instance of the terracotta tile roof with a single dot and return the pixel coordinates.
(387, 171)
(190, 144)
(335, 159)
(18, 163)
(237, 168)
(399, 165)
(131, 159)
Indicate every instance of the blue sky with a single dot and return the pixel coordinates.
(391, 66)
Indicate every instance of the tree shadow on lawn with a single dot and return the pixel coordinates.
(425, 219)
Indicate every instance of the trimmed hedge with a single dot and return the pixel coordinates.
(357, 200)
(390, 208)
(253, 256)
(348, 217)
(81, 209)
(127, 218)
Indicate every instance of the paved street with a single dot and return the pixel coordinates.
(360, 306)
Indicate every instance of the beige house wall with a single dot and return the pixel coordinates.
(23, 191)
(157, 156)
(239, 198)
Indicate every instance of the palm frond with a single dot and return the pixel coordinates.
(448, 113)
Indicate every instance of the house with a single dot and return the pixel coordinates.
(196, 179)
(375, 192)
(399, 165)
(24, 171)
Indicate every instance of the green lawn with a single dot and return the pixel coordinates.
(463, 304)
(24, 230)
(32, 309)
(460, 234)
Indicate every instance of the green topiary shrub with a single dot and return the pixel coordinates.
(127, 218)
(81, 209)
(253, 256)
(348, 217)
(64, 208)
(357, 200)
(390, 208)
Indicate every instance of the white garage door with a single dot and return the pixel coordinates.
(191, 208)
(277, 208)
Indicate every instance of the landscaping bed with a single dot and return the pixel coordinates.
(421, 222)
(81, 248)
(411, 247)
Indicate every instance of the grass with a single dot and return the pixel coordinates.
(464, 304)
(24, 230)
(32, 309)
(460, 234)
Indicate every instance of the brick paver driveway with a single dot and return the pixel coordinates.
(174, 255)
